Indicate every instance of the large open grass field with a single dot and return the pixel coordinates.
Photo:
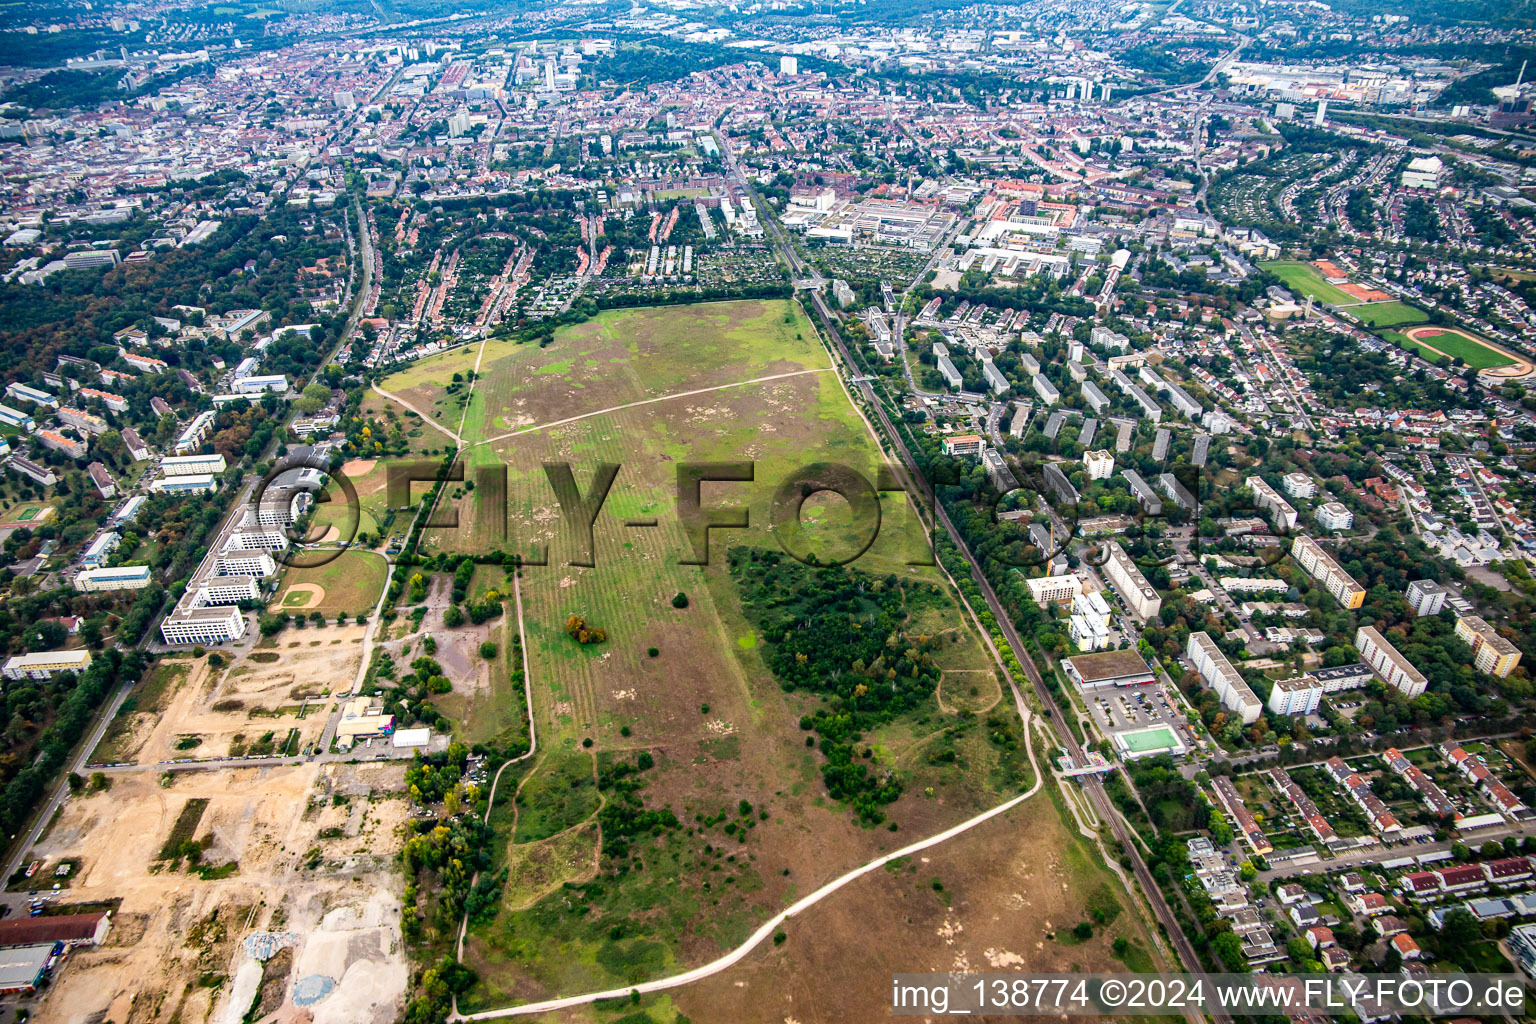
(1304, 278)
(650, 389)
(349, 584)
(1388, 314)
(1309, 282)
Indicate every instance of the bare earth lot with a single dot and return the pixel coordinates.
(175, 951)
(276, 688)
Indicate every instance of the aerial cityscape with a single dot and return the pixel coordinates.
(656, 512)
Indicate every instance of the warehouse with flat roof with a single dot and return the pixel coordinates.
(1107, 669)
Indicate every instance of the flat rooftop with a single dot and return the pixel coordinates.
(1108, 665)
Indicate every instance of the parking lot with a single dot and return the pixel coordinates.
(1135, 707)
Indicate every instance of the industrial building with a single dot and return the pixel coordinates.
(1108, 669)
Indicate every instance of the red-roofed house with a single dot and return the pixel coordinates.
(1508, 870)
(1406, 947)
(1368, 903)
(1461, 879)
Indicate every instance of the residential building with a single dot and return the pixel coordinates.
(1099, 465)
(71, 446)
(1428, 790)
(1242, 819)
(1300, 695)
(122, 577)
(1236, 696)
(27, 468)
(1334, 515)
(192, 465)
(137, 449)
(1491, 653)
(1426, 597)
(1396, 670)
(102, 479)
(16, 418)
(83, 421)
(1127, 579)
(116, 403)
(1320, 565)
(1046, 390)
(26, 393)
(1267, 499)
(101, 547)
(191, 438)
(1046, 589)
(1299, 485)
(45, 665)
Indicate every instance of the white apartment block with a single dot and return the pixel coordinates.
(1388, 663)
(1139, 595)
(192, 437)
(1268, 500)
(192, 465)
(1334, 515)
(1320, 565)
(46, 664)
(123, 577)
(1099, 465)
(1299, 696)
(1426, 597)
(1299, 485)
(1054, 588)
(1236, 695)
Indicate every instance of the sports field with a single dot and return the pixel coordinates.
(26, 514)
(350, 584)
(1472, 350)
(1308, 281)
(650, 390)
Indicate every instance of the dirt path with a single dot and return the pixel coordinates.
(771, 925)
(650, 401)
(428, 420)
(533, 748)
